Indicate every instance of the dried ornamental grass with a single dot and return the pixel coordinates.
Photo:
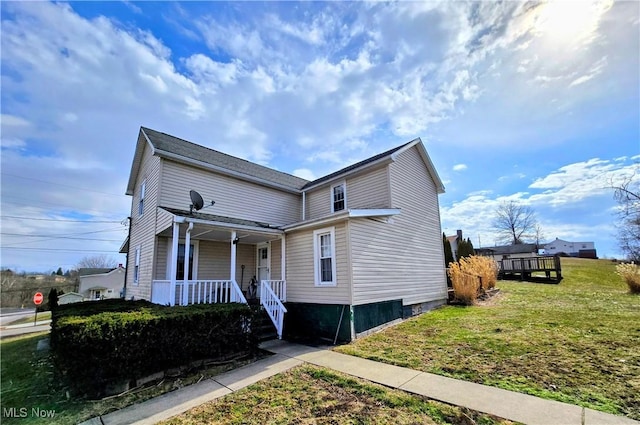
(630, 272)
(465, 286)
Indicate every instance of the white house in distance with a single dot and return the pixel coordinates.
(334, 257)
(99, 284)
(573, 249)
(453, 241)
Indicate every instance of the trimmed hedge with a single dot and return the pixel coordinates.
(98, 343)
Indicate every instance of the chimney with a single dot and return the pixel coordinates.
(120, 265)
(459, 233)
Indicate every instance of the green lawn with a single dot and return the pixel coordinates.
(312, 395)
(577, 342)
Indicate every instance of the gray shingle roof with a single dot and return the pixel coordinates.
(184, 148)
(90, 271)
(511, 249)
(218, 218)
(356, 165)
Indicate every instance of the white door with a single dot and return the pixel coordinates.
(262, 265)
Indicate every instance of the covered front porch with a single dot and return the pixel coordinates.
(204, 258)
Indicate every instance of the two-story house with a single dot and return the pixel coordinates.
(340, 255)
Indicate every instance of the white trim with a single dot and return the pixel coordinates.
(317, 234)
(283, 257)
(342, 184)
(342, 215)
(221, 224)
(234, 255)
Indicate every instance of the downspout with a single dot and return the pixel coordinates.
(187, 252)
(304, 206)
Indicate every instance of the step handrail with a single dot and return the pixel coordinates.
(273, 306)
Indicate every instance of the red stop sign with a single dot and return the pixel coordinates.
(37, 298)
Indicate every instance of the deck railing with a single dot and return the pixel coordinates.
(270, 300)
(279, 287)
(196, 292)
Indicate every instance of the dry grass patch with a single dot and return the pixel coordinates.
(630, 273)
(312, 395)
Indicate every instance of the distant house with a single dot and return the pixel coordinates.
(572, 249)
(99, 284)
(453, 240)
(69, 298)
(340, 255)
(504, 252)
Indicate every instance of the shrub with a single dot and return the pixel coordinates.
(471, 275)
(91, 351)
(630, 272)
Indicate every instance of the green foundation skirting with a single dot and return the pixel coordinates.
(369, 316)
(309, 321)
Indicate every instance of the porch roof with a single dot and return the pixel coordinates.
(216, 227)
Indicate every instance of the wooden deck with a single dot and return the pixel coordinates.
(525, 267)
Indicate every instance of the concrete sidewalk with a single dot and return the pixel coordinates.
(505, 404)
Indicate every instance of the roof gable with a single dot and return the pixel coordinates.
(173, 147)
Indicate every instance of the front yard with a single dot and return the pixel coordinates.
(576, 342)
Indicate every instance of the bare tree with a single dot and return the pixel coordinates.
(627, 193)
(514, 222)
(539, 234)
(101, 261)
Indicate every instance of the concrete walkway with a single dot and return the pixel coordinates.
(502, 403)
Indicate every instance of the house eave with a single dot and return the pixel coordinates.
(137, 159)
(341, 216)
(382, 161)
(426, 159)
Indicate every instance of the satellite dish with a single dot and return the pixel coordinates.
(197, 203)
(196, 200)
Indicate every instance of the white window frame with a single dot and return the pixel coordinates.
(342, 184)
(316, 256)
(196, 254)
(136, 267)
(143, 189)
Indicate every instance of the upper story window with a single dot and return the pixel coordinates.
(324, 257)
(338, 197)
(143, 187)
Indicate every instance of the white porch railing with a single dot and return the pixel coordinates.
(196, 292)
(270, 300)
(279, 288)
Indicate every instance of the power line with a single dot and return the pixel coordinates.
(59, 249)
(60, 184)
(52, 237)
(61, 237)
(61, 219)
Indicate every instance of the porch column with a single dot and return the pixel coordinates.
(187, 248)
(283, 269)
(174, 263)
(283, 262)
(232, 273)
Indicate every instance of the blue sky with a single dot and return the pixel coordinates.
(538, 103)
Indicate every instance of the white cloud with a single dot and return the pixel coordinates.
(459, 167)
(304, 173)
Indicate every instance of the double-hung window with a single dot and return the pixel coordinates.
(324, 257)
(143, 188)
(136, 268)
(338, 197)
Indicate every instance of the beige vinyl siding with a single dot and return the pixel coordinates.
(276, 264)
(403, 259)
(233, 197)
(164, 220)
(214, 259)
(318, 203)
(300, 269)
(369, 190)
(143, 227)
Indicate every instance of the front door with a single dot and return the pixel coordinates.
(262, 264)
